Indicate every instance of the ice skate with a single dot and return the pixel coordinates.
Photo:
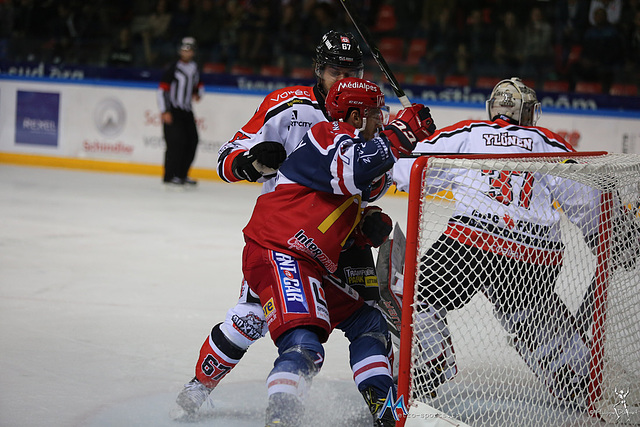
(284, 410)
(382, 415)
(175, 184)
(189, 182)
(189, 401)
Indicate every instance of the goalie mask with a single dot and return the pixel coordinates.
(362, 95)
(515, 100)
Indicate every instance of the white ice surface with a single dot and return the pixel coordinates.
(109, 284)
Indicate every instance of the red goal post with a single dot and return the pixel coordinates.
(616, 178)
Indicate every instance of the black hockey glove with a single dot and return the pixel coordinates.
(268, 153)
(374, 228)
(263, 159)
(625, 242)
(242, 167)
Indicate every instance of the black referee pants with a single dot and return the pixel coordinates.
(181, 138)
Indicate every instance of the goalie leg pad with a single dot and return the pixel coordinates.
(436, 361)
(552, 347)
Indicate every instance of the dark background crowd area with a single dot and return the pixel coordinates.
(563, 45)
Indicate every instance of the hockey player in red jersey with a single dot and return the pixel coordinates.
(514, 217)
(254, 154)
(297, 232)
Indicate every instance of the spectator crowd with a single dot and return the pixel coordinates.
(539, 40)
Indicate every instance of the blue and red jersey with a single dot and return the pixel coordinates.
(321, 189)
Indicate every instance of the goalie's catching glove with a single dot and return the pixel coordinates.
(411, 125)
(263, 159)
(373, 229)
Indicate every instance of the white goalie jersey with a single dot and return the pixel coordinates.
(517, 217)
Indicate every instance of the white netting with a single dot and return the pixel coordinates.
(527, 294)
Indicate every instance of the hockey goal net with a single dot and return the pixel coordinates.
(524, 289)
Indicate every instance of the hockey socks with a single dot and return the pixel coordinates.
(218, 356)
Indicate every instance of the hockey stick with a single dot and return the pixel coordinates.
(364, 33)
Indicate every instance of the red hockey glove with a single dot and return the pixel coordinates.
(411, 125)
(261, 160)
(373, 229)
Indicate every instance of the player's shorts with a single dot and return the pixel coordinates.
(293, 294)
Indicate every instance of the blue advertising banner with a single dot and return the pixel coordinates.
(37, 118)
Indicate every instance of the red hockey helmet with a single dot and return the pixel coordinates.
(354, 93)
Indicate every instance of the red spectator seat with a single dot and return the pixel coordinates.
(417, 51)
(454, 80)
(241, 69)
(563, 64)
(371, 76)
(301, 73)
(588, 87)
(271, 71)
(425, 79)
(392, 49)
(386, 19)
(555, 86)
(620, 89)
(400, 76)
(486, 82)
(214, 68)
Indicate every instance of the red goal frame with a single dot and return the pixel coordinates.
(416, 188)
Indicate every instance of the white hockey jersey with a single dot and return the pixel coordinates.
(284, 116)
(508, 213)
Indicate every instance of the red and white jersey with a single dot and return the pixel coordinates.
(284, 116)
(513, 211)
(321, 189)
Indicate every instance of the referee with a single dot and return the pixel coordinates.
(180, 83)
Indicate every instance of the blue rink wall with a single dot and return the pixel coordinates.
(115, 126)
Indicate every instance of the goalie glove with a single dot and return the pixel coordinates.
(625, 240)
(411, 125)
(263, 159)
(373, 229)
(625, 243)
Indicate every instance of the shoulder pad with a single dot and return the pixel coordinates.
(291, 92)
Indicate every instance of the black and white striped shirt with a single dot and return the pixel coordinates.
(179, 83)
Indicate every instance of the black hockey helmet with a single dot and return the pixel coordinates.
(339, 49)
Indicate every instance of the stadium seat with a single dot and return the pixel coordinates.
(301, 73)
(621, 89)
(555, 86)
(386, 20)
(400, 76)
(271, 71)
(425, 79)
(392, 49)
(455, 80)
(588, 87)
(486, 82)
(214, 68)
(372, 76)
(417, 51)
(241, 69)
